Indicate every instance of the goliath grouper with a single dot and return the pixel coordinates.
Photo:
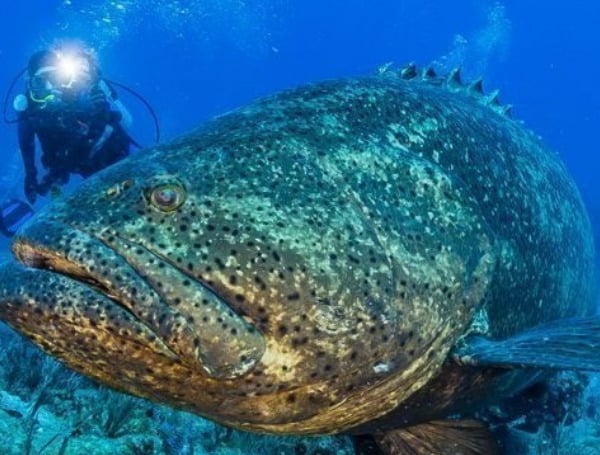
(381, 255)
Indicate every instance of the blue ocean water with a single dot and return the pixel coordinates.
(198, 58)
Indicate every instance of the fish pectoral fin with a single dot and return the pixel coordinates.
(566, 344)
(443, 437)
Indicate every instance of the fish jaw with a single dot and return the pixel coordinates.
(72, 261)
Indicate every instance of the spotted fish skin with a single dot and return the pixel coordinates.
(306, 263)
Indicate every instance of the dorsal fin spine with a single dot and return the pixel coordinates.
(454, 79)
(409, 71)
(429, 74)
(494, 98)
(476, 86)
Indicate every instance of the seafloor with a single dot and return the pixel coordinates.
(45, 409)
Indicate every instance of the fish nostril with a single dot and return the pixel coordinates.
(116, 190)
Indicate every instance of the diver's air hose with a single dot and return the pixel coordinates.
(144, 102)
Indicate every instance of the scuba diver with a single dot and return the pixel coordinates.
(77, 119)
(76, 116)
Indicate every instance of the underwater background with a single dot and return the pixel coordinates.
(195, 59)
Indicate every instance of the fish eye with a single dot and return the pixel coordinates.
(167, 197)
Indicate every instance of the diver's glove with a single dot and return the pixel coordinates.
(31, 187)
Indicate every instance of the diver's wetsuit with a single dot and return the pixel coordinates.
(68, 132)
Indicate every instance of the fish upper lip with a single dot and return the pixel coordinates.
(38, 257)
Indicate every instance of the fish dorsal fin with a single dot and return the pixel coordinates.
(453, 82)
(567, 344)
(444, 437)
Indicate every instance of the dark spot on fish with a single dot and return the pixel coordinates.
(353, 259)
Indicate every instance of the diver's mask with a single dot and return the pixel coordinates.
(41, 88)
(68, 74)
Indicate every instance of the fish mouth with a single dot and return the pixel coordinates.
(184, 323)
(64, 277)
